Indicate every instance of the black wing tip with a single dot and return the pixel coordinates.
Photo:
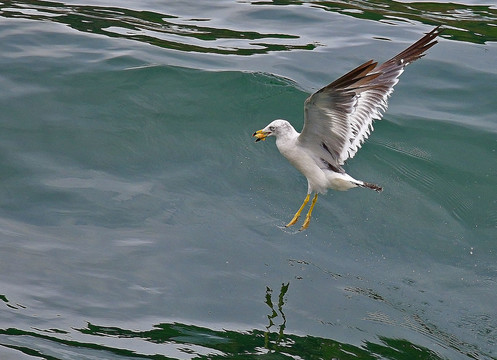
(364, 73)
(360, 72)
(419, 48)
(437, 30)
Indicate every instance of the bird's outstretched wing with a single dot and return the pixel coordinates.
(339, 117)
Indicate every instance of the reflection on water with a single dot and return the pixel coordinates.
(477, 24)
(179, 340)
(473, 23)
(163, 30)
(274, 314)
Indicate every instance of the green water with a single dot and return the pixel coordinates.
(139, 220)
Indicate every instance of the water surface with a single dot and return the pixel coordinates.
(138, 218)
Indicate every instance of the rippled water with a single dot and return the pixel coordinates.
(138, 218)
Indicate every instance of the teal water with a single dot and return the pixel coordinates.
(139, 220)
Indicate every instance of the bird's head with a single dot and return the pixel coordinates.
(276, 128)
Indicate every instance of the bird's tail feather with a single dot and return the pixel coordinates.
(374, 187)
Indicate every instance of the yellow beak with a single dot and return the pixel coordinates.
(260, 135)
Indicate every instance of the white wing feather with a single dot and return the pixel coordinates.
(339, 117)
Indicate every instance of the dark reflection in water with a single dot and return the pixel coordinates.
(205, 343)
(268, 344)
(163, 30)
(472, 23)
(477, 24)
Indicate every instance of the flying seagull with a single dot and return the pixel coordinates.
(337, 120)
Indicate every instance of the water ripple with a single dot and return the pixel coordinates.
(159, 29)
(472, 23)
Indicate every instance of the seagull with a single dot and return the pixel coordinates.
(337, 120)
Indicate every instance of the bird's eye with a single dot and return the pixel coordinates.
(271, 128)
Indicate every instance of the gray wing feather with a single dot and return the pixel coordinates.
(339, 117)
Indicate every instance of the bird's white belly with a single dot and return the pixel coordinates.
(341, 182)
(302, 161)
(319, 180)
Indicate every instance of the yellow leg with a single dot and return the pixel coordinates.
(307, 220)
(297, 214)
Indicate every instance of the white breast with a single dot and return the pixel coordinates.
(302, 160)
